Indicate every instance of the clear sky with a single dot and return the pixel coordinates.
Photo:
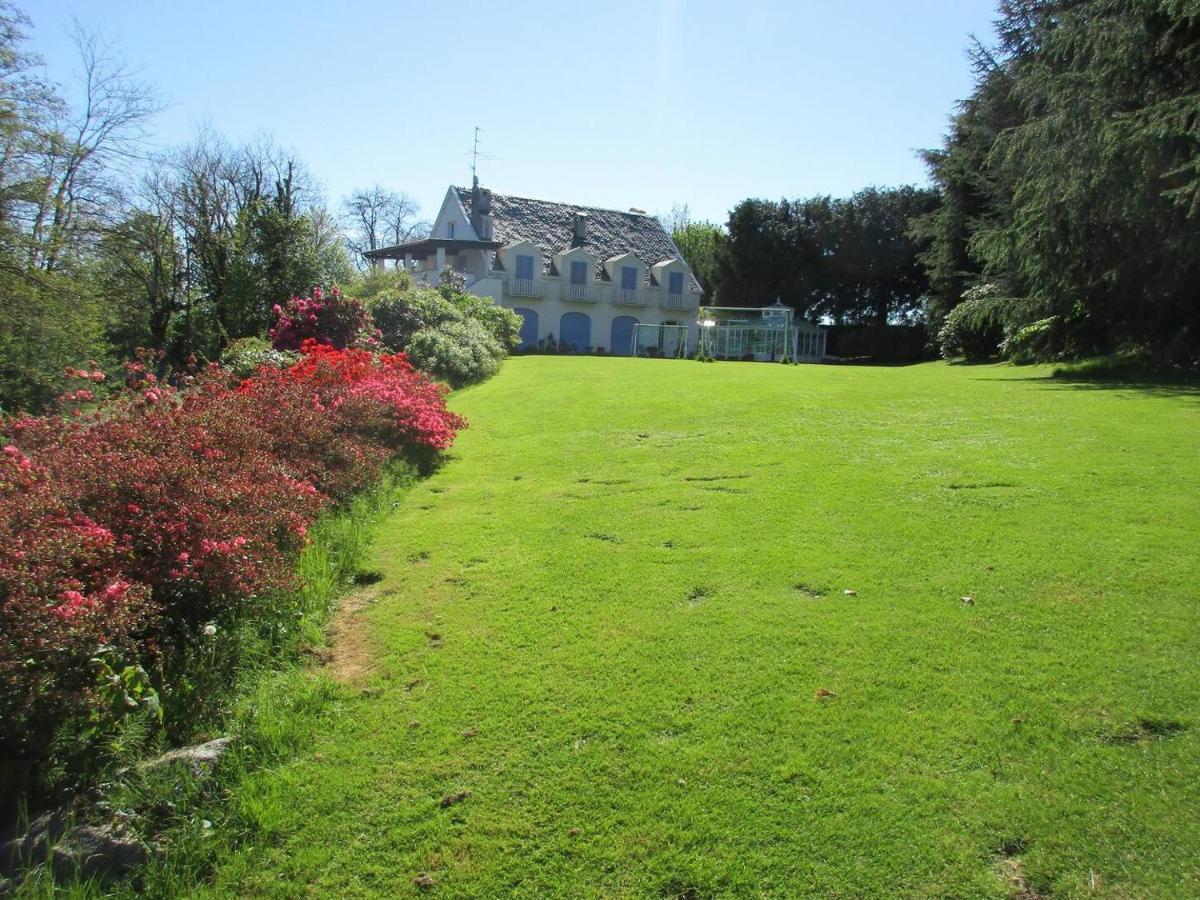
(618, 104)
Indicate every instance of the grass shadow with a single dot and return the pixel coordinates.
(1154, 385)
(1146, 385)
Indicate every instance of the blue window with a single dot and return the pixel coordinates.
(579, 271)
(629, 278)
(529, 328)
(525, 268)
(675, 283)
(450, 229)
(622, 335)
(575, 332)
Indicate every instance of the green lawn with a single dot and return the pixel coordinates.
(609, 618)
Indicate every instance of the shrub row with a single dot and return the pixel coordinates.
(133, 529)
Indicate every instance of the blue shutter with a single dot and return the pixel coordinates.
(575, 332)
(578, 272)
(622, 335)
(675, 283)
(629, 278)
(525, 268)
(529, 328)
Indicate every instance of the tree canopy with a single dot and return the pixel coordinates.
(851, 260)
(1070, 179)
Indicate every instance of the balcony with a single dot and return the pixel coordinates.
(524, 287)
(625, 297)
(677, 301)
(581, 293)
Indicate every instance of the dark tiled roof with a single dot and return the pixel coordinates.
(551, 227)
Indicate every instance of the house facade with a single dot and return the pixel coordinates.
(580, 277)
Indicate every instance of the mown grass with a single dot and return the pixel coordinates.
(618, 618)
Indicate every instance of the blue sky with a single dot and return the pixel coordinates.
(622, 104)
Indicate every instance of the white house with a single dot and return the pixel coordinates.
(582, 275)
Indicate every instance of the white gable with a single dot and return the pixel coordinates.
(612, 263)
(452, 217)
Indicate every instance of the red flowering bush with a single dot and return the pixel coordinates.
(330, 319)
(134, 524)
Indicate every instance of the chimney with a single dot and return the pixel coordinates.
(580, 228)
(481, 211)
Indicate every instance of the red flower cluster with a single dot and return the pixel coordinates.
(329, 319)
(162, 509)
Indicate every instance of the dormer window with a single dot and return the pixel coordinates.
(450, 230)
(524, 267)
(629, 278)
(579, 272)
(675, 283)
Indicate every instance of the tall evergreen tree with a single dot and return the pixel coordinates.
(1072, 176)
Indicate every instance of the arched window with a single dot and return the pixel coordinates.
(622, 335)
(529, 328)
(575, 332)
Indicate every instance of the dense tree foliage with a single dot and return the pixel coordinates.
(851, 261)
(106, 248)
(1070, 179)
(700, 243)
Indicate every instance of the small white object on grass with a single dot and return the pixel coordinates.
(850, 593)
(968, 600)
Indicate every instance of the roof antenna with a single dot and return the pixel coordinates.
(476, 155)
(475, 158)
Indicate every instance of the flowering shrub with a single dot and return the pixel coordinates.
(445, 330)
(330, 319)
(135, 524)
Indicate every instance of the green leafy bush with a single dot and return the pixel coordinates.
(974, 329)
(462, 352)
(245, 355)
(1032, 342)
(452, 334)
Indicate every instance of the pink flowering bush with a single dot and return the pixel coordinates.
(135, 523)
(332, 319)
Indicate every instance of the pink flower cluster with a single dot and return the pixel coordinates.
(332, 320)
(162, 509)
(93, 374)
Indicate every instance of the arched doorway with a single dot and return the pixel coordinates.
(529, 328)
(575, 332)
(622, 335)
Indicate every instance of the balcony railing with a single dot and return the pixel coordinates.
(524, 287)
(583, 293)
(629, 297)
(677, 301)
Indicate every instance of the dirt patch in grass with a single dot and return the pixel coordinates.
(455, 798)
(601, 536)
(1144, 731)
(812, 593)
(352, 653)
(697, 595)
(714, 477)
(1010, 869)
(680, 890)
